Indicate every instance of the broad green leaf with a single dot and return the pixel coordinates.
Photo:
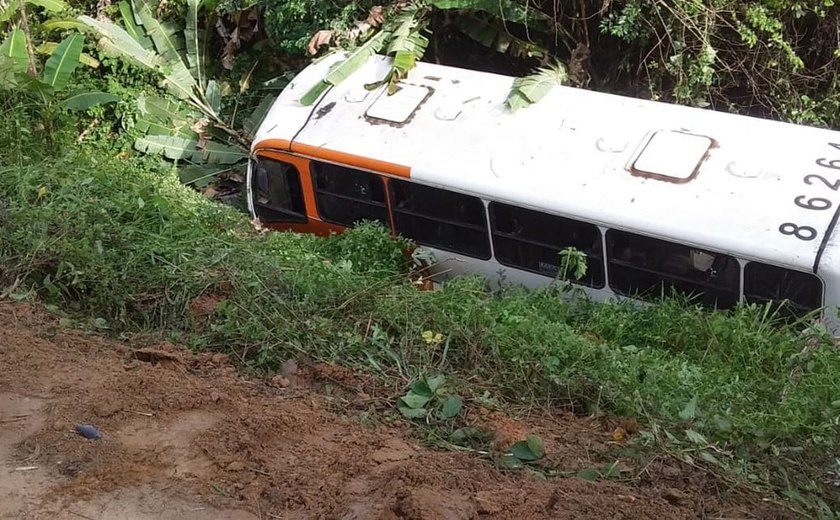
(451, 407)
(422, 388)
(178, 80)
(213, 96)
(154, 127)
(57, 24)
(412, 400)
(52, 6)
(535, 444)
(435, 383)
(84, 59)
(217, 153)
(7, 11)
(116, 42)
(690, 411)
(171, 147)
(531, 89)
(14, 48)
(179, 148)
(10, 8)
(407, 45)
(63, 61)
(159, 116)
(522, 450)
(346, 68)
(86, 100)
(590, 474)
(9, 77)
(412, 413)
(253, 121)
(137, 32)
(167, 37)
(165, 110)
(193, 37)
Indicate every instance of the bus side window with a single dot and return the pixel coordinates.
(346, 196)
(439, 218)
(276, 191)
(763, 283)
(532, 241)
(644, 266)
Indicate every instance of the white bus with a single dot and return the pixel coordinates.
(724, 207)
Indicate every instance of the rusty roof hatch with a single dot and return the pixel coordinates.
(672, 156)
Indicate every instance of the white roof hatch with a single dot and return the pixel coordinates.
(672, 156)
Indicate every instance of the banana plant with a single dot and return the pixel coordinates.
(186, 124)
(63, 60)
(402, 37)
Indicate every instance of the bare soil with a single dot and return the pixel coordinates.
(187, 436)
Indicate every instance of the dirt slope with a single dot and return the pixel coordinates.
(187, 437)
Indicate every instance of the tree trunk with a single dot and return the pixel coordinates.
(24, 23)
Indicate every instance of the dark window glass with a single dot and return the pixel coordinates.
(440, 218)
(644, 266)
(763, 283)
(346, 196)
(276, 191)
(532, 241)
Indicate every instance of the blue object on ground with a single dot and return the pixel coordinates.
(88, 431)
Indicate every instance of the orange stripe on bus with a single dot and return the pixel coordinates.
(317, 152)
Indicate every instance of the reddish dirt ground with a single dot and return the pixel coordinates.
(189, 437)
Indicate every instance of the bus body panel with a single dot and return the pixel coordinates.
(755, 189)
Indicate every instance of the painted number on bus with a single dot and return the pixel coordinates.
(808, 233)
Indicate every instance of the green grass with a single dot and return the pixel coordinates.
(122, 242)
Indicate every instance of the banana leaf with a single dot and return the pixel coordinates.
(532, 88)
(86, 100)
(213, 95)
(116, 42)
(9, 9)
(84, 59)
(253, 121)
(346, 68)
(195, 44)
(14, 48)
(159, 116)
(137, 32)
(61, 24)
(63, 61)
(179, 148)
(167, 37)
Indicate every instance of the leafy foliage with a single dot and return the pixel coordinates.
(531, 89)
(429, 393)
(185, 128)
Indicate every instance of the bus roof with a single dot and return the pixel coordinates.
(716, 180)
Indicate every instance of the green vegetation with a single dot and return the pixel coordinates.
(125, 244)
(111, 237)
